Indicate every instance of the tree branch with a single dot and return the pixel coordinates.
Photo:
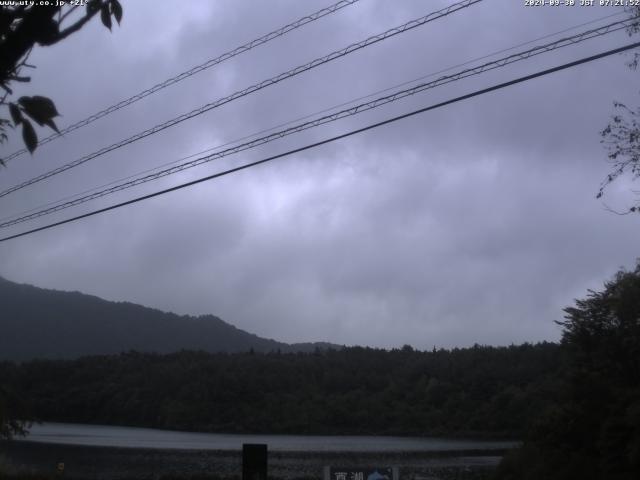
(17, 78)
(76, 26)
(65, 15)
(611, 210)
(19, 41)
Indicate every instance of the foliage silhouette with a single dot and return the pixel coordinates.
(622, 136)
(592, 430)
(22, 27)
(479, 391)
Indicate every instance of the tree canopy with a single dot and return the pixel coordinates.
(477, 391)
(22, 27)
(622, 136)
(593, 431)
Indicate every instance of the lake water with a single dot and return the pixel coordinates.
(107, 436)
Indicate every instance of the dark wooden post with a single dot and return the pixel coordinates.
(254, 461)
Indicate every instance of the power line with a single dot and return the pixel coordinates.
(258, 86)
(499, 63)
(193, 71)
(343, 104)
(311, 115)
(333, 139)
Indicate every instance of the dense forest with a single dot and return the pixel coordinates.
(483, 391)
(575, 405)
(591, 430)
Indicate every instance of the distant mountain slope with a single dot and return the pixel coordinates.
(39, 323)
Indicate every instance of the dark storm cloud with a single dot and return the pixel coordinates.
(472, 223)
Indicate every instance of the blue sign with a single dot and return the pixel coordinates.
(361, 473)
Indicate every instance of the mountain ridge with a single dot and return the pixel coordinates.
(38, 323)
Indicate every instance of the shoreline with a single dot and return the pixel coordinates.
(25, 458)
(136, 437)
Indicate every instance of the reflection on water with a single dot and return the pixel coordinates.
(99, 435)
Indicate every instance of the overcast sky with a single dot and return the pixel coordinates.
(476, 222)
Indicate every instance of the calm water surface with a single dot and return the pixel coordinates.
(106, 436)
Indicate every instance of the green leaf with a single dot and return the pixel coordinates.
(29, 135)
(16, 114)
(105, 15)
(116, 9)
(40, 109)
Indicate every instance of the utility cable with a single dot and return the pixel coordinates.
(499, 63)
(193, 71)
(298, 119)
(258, 86)
(333, 139)
(305, 117)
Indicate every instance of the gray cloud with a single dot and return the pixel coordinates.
(472, 223)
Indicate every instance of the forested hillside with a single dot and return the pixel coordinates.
(40, 323)
(480, 391)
